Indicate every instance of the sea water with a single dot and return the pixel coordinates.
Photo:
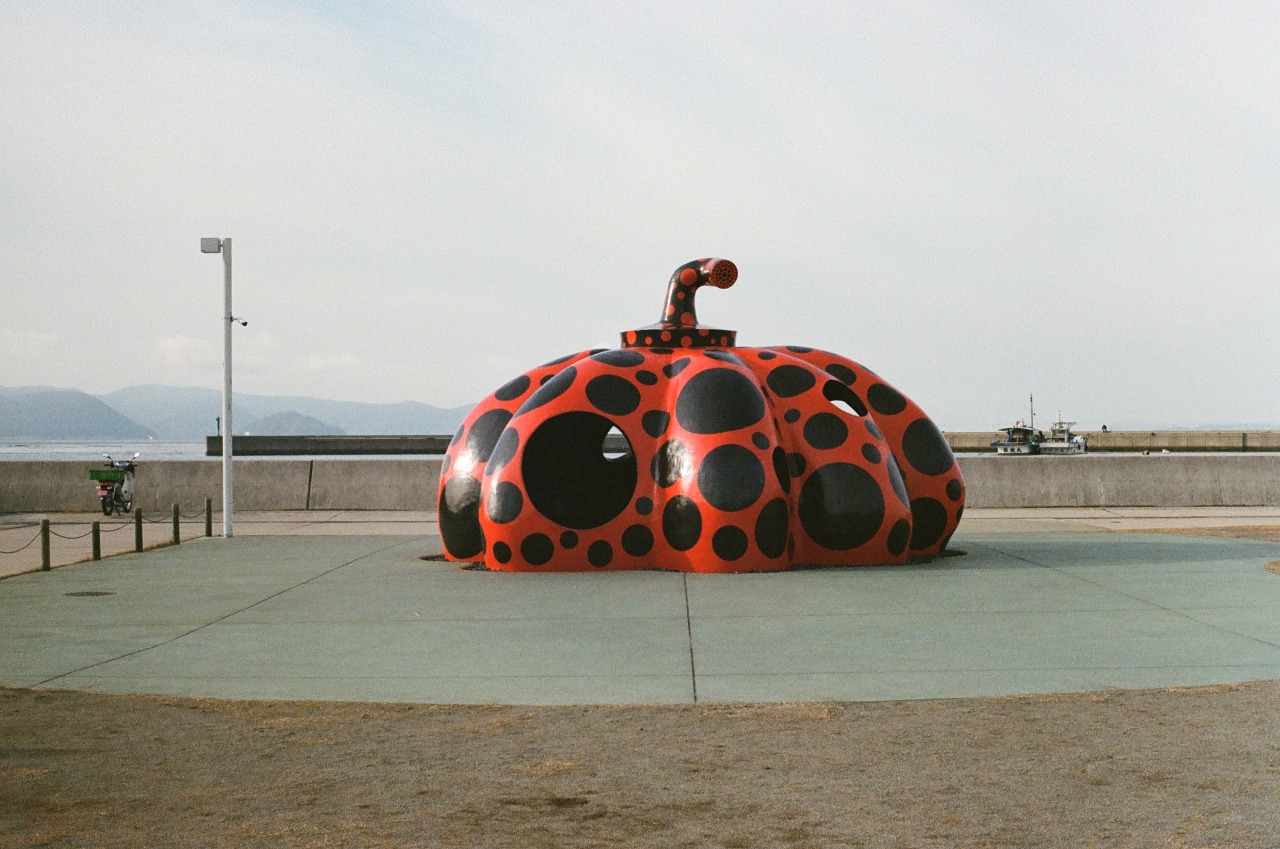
(92, 450)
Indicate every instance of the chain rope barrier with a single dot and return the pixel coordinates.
(64, 536)
(165, 518)
(23, 548)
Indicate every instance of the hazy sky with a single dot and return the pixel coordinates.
(978, 200)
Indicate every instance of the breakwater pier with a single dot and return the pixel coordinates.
(1188, 479)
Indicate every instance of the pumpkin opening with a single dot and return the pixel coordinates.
(572, 477)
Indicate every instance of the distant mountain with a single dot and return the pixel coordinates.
(292, 424)
(38, 412)
(182, 413)
(176, 413)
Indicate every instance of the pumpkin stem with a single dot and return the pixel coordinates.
(679, 311)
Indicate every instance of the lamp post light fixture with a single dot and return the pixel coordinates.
(223, 246)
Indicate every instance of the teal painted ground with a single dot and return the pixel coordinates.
(364, 618)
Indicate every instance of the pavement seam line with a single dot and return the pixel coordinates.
(688, 621)
(1180, 613)
(226, 616)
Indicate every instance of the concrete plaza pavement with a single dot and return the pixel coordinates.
(341, 606)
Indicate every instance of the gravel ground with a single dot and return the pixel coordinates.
(1166, 768)
(1194, 767)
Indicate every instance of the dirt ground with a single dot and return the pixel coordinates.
(1195, 767)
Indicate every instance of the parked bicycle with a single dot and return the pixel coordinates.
(115, 484)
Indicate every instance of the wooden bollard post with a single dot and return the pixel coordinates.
(177, 534)
(208, 517)
(45, 560)
(97, 540)
(137, 529)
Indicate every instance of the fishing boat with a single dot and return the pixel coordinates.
(1018, 439)
(1023, 438)
(1061, 440)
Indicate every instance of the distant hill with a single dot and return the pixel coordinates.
(292, 424)
(37, 412)
(191, 413)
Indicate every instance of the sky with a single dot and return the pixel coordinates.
(977, 200)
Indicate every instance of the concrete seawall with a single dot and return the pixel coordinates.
(1165, 480)
(1158, 480)
(64, 486)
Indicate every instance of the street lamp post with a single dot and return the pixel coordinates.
(223, 246)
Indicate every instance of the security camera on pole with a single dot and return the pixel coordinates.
(223, 246)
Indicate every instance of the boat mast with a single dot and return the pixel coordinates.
(1033, 410)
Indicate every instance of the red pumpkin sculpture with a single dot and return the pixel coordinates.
(731, 459)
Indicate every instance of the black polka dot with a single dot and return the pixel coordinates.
(724, 357)
(637, 540)
(513, 389)
(504, 502)
(502, 552)
(871, 453)
(771, 528)
(599, 553)
(896, 481)
(928, 521)
(655, 422)
(550, 390)
(926, 449)
(568, 539)
(799, 349)
(825, 430)
(671, 463)
(797, 464)
(682, 523)
(731, 478)
(644, 506)
(841, 506)
(766, 355)
(506, 448)
(646, 377)
(885, 399)
(484, 433)
(447, 462)
(789, 380)
(780, 469)
(729, 543)
(842, 373)
(718, 400)
(459, 515)
(620, 357)
(661, 351)
(760, 440)
(462, 428)
(537, 549)
(899, 536)
(672, 369)
(955, 489)
(612, 394)
(559, 360)
(792, 416)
